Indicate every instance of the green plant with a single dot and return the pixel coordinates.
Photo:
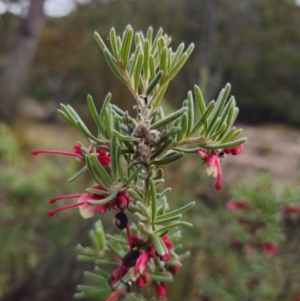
(126, 157)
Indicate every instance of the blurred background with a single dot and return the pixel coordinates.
(48, 55)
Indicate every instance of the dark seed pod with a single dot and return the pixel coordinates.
(129, 260)
(121, 220)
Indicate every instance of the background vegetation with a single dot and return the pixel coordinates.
(253, 44)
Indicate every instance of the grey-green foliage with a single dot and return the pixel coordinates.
(139, 145)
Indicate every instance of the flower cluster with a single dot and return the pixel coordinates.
(139, 260)
(250, 226)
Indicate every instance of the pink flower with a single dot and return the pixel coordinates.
(161, 290)
(174, 269)
(103, 156)
(85, 209)
(233, 205)
(141, 263)
(291, 209)
(234, 150)
(214, 169)
(270, 248)
(213, 166)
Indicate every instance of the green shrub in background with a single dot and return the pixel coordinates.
(249, 250)
(28, 242)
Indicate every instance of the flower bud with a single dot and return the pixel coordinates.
(121, 220)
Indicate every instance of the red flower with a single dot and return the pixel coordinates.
(291, 209)
(141, 263)
(161, 290)
(234, 150)
(297, 298)
(103, 156)
(270, 248)
(85, 209)
(213, 166)
(233, 205)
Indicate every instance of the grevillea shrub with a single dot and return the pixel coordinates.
(250, 249)
(125, 159)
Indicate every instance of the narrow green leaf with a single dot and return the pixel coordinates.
(146, 60)
(153, 200)
(141, 217)
(227, 109)
(132, 176)
(83, 129)
(156, 39)
(79, 173)
(99, 293)
(135, 61)
(117, 239)
(93, 237)
(158, 244)
(177, 55)
(135, 195)
(97, 191)
(106, 102)
(125, 138)
(99, 40)
(154, 82)
(152, 66)
(114, 158)
(100, 271)
(94, 175)
(191, 113)
(168, 159)
(113, 42)
(159, 174)
(203, 118)
(162, 148)
(163, 60)
(103, 201)
(158, 97)
(233, 133)
(168, 219)
(95, 277)
(174, 224)
(187, 150)
(84, 258)
(168, 119)
(95, 115)
(176, 212)
(149, 34)
(184, 127)
(225, 145)
(218, 108)
(168, 61)
(143, 209)
(126, 46)
(220, 129)
(175, 130)
(181, 62)
(113, 65)
(100, 234)
(101, 170)
(164, 192)
(138, 75)
(67, 119)
(161, 277)
(200, 100)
